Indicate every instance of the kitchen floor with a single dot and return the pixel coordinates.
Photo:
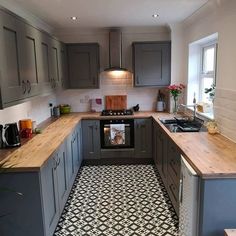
(118, 200)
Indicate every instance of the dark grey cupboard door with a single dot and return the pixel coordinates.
(151, 62)
(54, 63)
(91, 139)
(13, 86)
(83, 64)
(49, 185)
(70, 162)
(63, 68)
(143, 138)
(44, 64)
(62, 176)
(29, 55)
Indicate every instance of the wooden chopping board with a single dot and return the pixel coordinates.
(116, 102)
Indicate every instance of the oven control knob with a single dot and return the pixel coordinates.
(118, 113)
(122, 113)
(114, 113)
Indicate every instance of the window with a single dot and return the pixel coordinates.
(208, 71)
(202, 72)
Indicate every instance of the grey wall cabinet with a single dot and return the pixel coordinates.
(31, 62)
(151, 63)
(143, 138)
(46, 85)
(13, 86)
(83, 65)
(63, 66)
(91, 139)
(54, 63)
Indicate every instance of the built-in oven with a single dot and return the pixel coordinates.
(117, 133)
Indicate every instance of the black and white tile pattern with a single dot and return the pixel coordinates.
(118, 200)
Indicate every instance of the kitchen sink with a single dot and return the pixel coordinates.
(177, 125)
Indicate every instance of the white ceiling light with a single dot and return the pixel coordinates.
(155, 15)
(73, 17)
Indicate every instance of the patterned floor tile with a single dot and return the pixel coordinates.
(118, 200)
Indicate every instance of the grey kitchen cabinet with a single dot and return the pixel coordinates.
(44, 64)
(31, 61)
(83, 65)
(54, 53)
(143, 138)
(63, 67)
(161, 152)
(173, 168)
(91, 139)
(13, 86)
(151, 63)
(49, 185)
(29, 56)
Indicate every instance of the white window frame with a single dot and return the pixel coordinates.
(208, 74)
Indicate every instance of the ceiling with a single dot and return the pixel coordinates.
(110, 13)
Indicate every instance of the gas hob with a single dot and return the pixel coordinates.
(126, 112)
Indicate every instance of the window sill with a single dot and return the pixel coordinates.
(206, 115)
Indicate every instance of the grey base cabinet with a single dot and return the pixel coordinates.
(143, 138)
(91, 139)
(151, 63)
(37, 211)
(167, 160)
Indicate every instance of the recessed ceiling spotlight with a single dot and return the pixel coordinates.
(73, 17)
(155, 15)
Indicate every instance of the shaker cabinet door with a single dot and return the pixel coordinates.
(29, 55)
(13, 84)
(143, 138)
(62, 176)
(50, 199)
(83, 64)
(91, 139)
(151, 62)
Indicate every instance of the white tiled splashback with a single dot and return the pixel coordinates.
(36, 109)
(225, 112)
(111, 85)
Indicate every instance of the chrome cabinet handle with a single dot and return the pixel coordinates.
(29, 86)
(55, 163)
(181, 189)
(24, 87)
(58, 162)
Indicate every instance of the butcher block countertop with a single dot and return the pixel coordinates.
(212, 156)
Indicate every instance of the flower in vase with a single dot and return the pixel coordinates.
(175, 91)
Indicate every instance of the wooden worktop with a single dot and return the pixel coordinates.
(212, 156)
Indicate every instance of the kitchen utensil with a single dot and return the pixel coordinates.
(10, 136)
(56, 111)
(116, 102)
(65, 109)
(161, 106)
(136, 108)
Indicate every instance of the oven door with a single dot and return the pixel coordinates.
(117, 133)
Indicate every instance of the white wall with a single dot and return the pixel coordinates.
(37, 109)
(218, 16)
(110, 85)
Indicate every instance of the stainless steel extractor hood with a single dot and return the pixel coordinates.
(115, 51)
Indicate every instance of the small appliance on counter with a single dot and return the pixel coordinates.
(161, 106)
(26, 128)
(136, 108)
(96, 105)
(65, 108)
(9, 136)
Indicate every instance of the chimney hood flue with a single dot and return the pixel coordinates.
(115, 51)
